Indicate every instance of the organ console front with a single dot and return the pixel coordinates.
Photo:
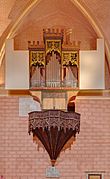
(55, 62)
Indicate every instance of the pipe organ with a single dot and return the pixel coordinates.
(53, 72)
(54, 62)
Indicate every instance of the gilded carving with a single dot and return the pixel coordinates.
(37, 58)
(53, 45)
(70, 58)
(55, 61)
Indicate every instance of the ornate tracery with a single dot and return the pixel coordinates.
(54, 62)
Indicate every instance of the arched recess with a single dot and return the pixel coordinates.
(71, 104)
(80, 6)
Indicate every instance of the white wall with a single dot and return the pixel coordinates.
(17, 68)
(92, 75)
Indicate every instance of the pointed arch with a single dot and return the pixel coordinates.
(85, 11)
(78, 4)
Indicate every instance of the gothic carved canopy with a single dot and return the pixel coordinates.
(55, 129)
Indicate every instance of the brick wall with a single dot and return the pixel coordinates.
(19, 158)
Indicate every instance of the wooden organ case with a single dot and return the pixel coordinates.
(54, 63)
